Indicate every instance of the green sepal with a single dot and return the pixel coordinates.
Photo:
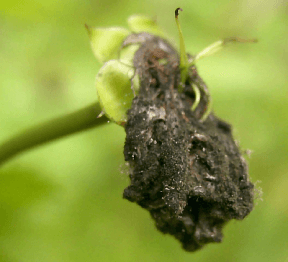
(127, 54)
(106, 42)
(142, 23)
(113, 83)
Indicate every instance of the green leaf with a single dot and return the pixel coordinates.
(142, 23)
(114, 89)
(106, 42)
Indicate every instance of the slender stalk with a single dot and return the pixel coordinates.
(183, 56)
(215, 47)
(62, 126)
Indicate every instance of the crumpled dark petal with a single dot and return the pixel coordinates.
(188, 174)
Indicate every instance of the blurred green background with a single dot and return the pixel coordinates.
(63, 201)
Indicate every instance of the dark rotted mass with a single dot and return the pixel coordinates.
(189, 174)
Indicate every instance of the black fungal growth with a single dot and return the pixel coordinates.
(188, 173)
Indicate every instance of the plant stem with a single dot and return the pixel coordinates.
(62, 126)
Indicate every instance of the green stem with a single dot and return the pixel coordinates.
(62, 126)
(183, 56)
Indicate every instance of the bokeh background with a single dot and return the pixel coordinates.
(63, 201)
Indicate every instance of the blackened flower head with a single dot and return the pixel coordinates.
(186, 170)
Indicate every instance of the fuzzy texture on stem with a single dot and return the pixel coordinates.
(51, 130)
